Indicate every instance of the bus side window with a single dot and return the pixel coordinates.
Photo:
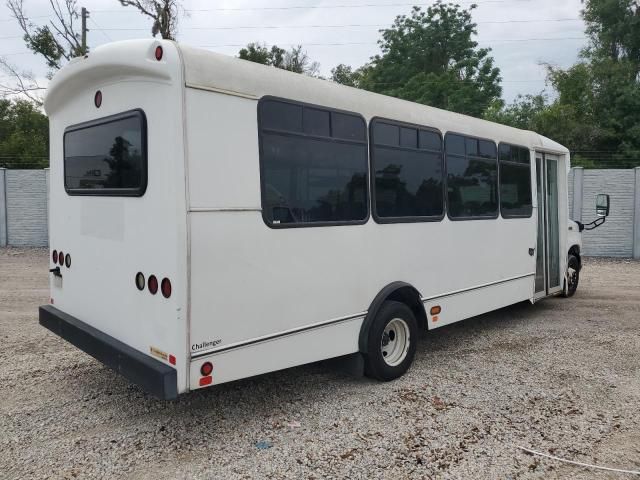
(472, 177)
(515, 181)
(314, 165)
(407, 164)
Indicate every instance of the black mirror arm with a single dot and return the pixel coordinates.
(592, 225)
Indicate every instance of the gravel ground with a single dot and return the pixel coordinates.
(561, 377)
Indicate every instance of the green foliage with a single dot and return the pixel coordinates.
(430, 57)
(24, 135)
(345, 75)
(294, 60)
(43, 42)
(597, 110)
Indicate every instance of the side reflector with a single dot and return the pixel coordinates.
(165, 286)
(206, 369)
(206, 381)
(140, 281)
(435, 310)
(153, 284)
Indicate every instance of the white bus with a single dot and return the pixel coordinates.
(213, 219)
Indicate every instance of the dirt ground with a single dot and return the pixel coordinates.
(561, 377)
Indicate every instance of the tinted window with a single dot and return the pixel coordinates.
(107, 157)
(486, 149)
(308, 179)
(409, 137)
(281, 116)
(408, 181)
(472, 146)
(350, 127)
(316, 122)
(515, 181)
(455, 144)
(430, 140)
(472, 180)
(386, 134)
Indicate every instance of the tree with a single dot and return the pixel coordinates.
(294, 60)
(345, 75)
(163, 13)
(597, 110)
(522, 113)
(430, 57)
(57, 42)
(24, 135)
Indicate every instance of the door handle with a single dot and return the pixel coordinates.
(56, 272)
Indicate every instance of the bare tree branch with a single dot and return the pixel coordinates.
(65, 20)
(25, 83)
(164, 14)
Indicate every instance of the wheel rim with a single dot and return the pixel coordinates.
(572, 275)
(394, 344)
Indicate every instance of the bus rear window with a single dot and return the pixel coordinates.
(107, 156)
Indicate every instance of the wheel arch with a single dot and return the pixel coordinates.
(402, 292)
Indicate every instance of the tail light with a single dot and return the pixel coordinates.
(206, 369)
(152, 283)
(165, 286)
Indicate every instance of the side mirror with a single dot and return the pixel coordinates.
(602, 205)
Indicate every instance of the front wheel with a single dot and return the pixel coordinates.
(392, 342)
(573, 275)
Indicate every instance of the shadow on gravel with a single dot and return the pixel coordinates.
(303, 386)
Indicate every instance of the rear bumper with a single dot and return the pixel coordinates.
(152, 375)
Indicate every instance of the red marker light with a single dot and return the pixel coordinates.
(60, 258)
(152, 283)
(206, 369)
(159, 53)
(97, 99)
(172, 359)
(165, 286)
(67, 260)
(54, 256)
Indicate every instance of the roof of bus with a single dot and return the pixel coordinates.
(213, 71)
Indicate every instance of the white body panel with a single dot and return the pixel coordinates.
(249, 298)
(110, 239)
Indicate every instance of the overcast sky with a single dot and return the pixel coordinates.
(523, 34)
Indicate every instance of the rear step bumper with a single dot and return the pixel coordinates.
(152, 375)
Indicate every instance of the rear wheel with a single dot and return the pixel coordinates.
(391, 342)
(573, 275)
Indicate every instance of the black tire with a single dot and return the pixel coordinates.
(573, 276)
(375, 364)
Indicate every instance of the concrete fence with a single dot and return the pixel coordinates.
(620, 235)
(23, 208)
(24, 212)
